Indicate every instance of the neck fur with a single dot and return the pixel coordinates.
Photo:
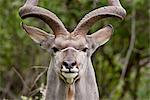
(83, 89)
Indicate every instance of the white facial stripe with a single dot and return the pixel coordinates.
(69, 48)
(75, 70)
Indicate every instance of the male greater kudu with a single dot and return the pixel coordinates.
(71, 75)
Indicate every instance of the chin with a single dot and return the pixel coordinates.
(69, 78)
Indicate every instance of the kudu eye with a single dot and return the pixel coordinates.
(85, 49)
(55, 49)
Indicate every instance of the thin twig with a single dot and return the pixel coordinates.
(22, 80)
(42, 67)
(35, 91)
(37, 78)
(144, 62)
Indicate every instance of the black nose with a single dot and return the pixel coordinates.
(69, 64)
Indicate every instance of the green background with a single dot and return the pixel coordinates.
(22, 61)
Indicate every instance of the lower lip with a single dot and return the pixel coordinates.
(69, 75)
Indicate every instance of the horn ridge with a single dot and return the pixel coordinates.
(30, 10)
(114, 10)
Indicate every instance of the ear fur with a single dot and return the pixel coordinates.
(36, 34)
(102, 36)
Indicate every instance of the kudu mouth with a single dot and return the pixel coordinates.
(69, 76)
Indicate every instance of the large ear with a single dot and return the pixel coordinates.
(36, 34)
(102, 36)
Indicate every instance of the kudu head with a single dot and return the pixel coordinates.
(70, 51)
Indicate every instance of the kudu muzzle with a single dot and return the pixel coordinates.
(69, 67)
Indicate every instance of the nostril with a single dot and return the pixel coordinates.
(69, 64)
(65, 64)
(73, 64)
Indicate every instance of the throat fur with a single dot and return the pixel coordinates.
(70, 92)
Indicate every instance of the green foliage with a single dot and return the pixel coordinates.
(19, 54)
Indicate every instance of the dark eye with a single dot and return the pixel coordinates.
(85, 49)
(55, 49)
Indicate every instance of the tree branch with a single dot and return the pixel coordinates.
(38, 77)
(131, 46)
(22, 80)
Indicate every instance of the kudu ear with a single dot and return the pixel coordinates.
(36, 34)
(102, 36)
